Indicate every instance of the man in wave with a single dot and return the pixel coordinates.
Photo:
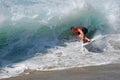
(80, 33)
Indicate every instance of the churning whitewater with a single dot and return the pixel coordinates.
(36, 34)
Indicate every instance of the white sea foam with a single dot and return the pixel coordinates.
(72, 54)
(2, 18)
(29, 37)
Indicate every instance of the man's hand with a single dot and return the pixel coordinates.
(86, 40)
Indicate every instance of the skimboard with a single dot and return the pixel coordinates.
(87, 43)
(92, 47)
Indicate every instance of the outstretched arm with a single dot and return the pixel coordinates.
(86, 39)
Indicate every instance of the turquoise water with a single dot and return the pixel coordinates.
(36, 34)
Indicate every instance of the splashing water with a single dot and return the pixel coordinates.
(36, 34)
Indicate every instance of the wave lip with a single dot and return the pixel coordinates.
(36, 34)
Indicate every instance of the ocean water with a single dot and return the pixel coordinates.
(35, 34)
